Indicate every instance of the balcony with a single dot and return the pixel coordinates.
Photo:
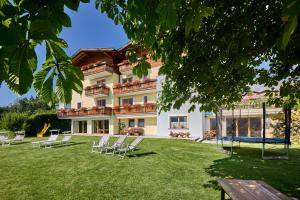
(125, 68)
(97, 91)
(97, 70)
(84, 112)
(135, 109)
(136, 87)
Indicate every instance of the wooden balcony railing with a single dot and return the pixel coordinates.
(134, 86)
(125, 67)
(84, 112)
(96, 90)
(96, 68)
(137, 108)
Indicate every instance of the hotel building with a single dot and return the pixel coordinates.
(114, 99)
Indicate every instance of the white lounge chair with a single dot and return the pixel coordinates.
(131, 147)
(3, 140)
(117, 144)
(100, 147)
(3, 137)
(66, 139)
(20, 135)
(52, 138)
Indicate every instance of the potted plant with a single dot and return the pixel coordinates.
(116, 109)
(137, 107)
(117, 85)
(127, 84)
(136, 84)
(83, 110)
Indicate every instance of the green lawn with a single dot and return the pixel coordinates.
(163, 169)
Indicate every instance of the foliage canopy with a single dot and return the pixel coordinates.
(26, 24)
(212, 50)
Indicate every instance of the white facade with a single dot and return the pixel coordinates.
(195, 121)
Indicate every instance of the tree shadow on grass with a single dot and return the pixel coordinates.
(134, 154)
(68, 145)
(247, 164)
(19, 143)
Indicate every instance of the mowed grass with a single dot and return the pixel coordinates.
(162, 169)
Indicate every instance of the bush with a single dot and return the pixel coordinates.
(13, 121)
(179, 134)
(36, 122)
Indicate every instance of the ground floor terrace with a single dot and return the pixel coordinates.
(115, 125)
(240, 123)
(162, 169)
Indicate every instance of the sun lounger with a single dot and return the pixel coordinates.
(100, 147)
(52, 138)
(66, 139)
(117, 144)
(131, 147)
(20, 135)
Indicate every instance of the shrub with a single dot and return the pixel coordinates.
(180, 134)
(36, 122)
(134, 131)
(13, 121)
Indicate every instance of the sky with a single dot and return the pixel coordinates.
(90, 29)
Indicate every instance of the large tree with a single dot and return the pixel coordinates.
(211, 50)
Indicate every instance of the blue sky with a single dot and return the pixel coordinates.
(90, 28)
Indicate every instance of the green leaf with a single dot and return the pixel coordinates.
(172, 18)
(72, 4)
(97, 4)
(47, 90)
(39, 79)
(63, 89)
(42, 29)
(289, 30)
(22, 64)
(189, 20)
(75, 75)
(64, 19)
(10, 36)
(131, 55)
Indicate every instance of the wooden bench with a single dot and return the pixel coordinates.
(249, 190)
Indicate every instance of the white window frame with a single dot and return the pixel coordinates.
(128, 97)
(179, 115)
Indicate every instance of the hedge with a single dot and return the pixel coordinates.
(13, 121)
(35, 123)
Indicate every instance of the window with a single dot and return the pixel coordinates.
(128, 101)
(127, 80)
(212, 124)
(243, 127)
(82, 126)
(131, 123)
(230, 125)
(101, 82)
(101, 103)
(67, 106)
(145, 99)
(78, 105)
(255, 127)
(141, 122)
(178, 122)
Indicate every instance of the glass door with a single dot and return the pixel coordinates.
(101, 126)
